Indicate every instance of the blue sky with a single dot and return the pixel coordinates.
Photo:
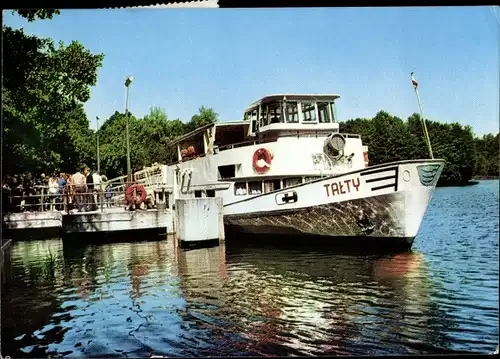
(182, 59)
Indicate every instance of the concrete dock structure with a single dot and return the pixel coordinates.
(199, 220)
(111, 220)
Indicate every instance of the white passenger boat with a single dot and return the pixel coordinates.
(285, 169)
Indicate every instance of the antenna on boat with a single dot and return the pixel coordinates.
(427, 140)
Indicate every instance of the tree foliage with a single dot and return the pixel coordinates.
(149, 138)
(390, 138)
(44, 88)
(487, 156)
(33, 14)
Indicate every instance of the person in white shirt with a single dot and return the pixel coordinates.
(53, 190)
(80, 187)
(96, 177)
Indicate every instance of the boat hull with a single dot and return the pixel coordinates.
(384, 205)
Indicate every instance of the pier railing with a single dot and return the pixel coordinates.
(149, 177)
(73, 199)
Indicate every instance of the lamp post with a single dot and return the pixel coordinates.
(128, 81)
(97, 134)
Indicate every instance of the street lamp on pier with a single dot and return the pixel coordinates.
(128, 81)
(97, 134)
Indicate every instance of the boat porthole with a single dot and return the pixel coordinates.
(406, 176)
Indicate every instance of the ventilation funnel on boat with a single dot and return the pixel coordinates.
(334, 146)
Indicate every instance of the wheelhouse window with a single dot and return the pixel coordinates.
(308, 112)
(291, 112)
(240, 189)
(264, 116)
(274, 113)
(255, 187)
(288, 182)
(323, 112)
(334, 114)
(253, 117)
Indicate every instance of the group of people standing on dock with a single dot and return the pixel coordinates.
(82, 191)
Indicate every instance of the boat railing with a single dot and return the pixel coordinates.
(273, 139)
(243, 144)
(150, 177)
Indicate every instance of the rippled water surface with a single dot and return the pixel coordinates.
(149, 298)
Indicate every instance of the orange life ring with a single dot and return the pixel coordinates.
(140, 196)
(262, 159)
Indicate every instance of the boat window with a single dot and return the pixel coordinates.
(334, 114)
(210, 193)
(228, 171)
(323, 112)
(288, 182)
(292, 112)
(255, 187)
(253, 117)
(240, 189)
(264, 116)
(308, 112)
(197, 194)
(271, 185)
(310, 178)
(255, 120)
(275, 113)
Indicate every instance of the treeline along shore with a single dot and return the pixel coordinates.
(46, 130)
(390, 138)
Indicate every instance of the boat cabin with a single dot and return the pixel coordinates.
(264, 121)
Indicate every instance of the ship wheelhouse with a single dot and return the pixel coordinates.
(283, 113)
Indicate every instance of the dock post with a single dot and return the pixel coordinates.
(199, 220)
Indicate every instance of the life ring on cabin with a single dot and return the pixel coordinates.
(140, 196)
(262, 159)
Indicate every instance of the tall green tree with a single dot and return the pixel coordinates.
(487, 154)
(205, 116)
(44, 87)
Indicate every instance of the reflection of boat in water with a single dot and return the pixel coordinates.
(401, 265)
(328, 301)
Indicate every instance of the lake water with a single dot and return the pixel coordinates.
(148, 298)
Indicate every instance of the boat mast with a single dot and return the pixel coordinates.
(426, 134)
